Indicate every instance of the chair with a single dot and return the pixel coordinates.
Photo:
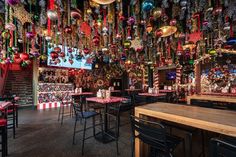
(154, 134)
(222, 147)
(81, 115)
(3, 133)
(62, 112)
(11, 114)
(189, 131)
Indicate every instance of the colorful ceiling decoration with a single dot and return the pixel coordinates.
(134, 32)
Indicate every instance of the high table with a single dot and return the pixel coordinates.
(169, 94)
(131, 93)
(81, 95)
(219, 121)
(152, 95)
(229, 99)
(105, 102)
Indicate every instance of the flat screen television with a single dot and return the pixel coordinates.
(70, 60)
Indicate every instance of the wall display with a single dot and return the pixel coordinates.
(53, 75)
(51, 92)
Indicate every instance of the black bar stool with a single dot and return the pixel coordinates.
(223, 147)
(3, 133)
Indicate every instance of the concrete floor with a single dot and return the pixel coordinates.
(41, 135)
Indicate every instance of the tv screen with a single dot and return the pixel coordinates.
(69, 59)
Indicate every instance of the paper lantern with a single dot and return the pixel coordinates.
(159, 33)
(147, 5)
(168, 30)
(149, 28)
(52, 15)
(127, 44)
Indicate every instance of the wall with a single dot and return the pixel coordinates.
(3, 76)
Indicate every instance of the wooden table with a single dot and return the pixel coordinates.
(229, 99)
(219, 121)
(106, 101)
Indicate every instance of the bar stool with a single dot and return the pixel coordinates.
(154, 134)
(222, 147)
(62, 112)
(80, 114)
(3, 133)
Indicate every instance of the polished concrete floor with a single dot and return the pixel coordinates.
(41, 135)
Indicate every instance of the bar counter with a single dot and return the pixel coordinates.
(219, 121)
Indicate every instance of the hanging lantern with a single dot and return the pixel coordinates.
(52, 15)
(57, 49)
(157, 12)
(13, 2)
(54, 55)
(147, 5)
(168, 30)
(30, 35)
(10, 26)
(118, 36)
(24, 56)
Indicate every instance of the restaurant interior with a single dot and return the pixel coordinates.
(128, 78)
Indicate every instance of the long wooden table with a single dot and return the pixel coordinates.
(229, 99)
(219, 121)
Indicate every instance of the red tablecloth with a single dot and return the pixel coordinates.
(106, 100)
(80, 94)
(166, 91)
(151, 94)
